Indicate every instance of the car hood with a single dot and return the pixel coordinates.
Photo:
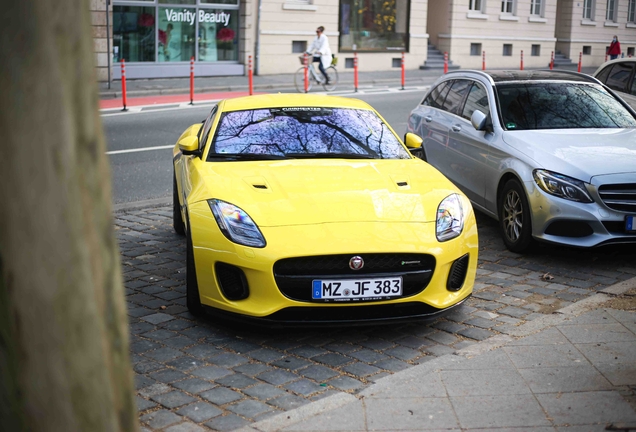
(579, 153)
(300, 192)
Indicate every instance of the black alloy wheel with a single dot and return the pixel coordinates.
(177, 220)
(193, 299)
(514, 217)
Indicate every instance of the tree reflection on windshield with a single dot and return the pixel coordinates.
(560, 106)
(306, 131)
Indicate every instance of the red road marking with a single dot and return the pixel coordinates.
(168, 99)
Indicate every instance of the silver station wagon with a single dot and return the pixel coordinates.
(550, 155)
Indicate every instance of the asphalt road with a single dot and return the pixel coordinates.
(140, 172)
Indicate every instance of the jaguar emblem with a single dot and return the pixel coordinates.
(356, 263)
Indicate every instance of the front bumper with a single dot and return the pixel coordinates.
(266, 301)
(556, 220)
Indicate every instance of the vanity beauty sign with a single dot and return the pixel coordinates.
(189, 16)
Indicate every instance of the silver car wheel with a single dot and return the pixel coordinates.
(513, 216)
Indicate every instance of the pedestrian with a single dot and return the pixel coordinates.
(321, 51)
(614, 49)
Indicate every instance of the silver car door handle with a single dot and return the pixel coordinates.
(457, 128)
(428, 119)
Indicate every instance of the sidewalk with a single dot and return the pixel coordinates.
(267, 83)
(573, 371)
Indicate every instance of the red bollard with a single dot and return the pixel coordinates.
(580, 60)
(403, 64)
(250, 78)
(483, 60)
(552, 61)
(446, 62)
(355, 71)
(521, 66)
(123, 83)
(306, 63)
(191, 80)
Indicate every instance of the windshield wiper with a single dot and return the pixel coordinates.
(329, 156)
(244, 156)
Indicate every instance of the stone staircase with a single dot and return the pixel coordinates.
(561, 61)
(435, 60)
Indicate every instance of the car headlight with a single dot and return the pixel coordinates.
(450, 218)
(236, 225)
(561, 186)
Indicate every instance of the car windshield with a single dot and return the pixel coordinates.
(304, 132)
(560, 106)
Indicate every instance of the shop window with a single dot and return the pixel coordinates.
(184, 2)
(535, 50)
(587, 50)
(299, 46)
(218, 34)
(224, 2)
(374, 25)
(507, 49)
(134, 33)
(475, 49)
(176, 34)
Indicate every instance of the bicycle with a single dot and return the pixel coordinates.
(315, 77)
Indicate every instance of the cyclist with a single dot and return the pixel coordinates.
(321, 52)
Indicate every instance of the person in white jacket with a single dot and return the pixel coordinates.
(321, 51)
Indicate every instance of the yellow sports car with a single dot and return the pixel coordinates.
(309, 210)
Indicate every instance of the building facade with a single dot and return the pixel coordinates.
(158, 38)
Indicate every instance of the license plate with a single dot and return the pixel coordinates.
(356, 289)
(630, 224)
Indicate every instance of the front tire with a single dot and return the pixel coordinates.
(193, 299)
(299, 80)
(332, 73)
(515, 223)
(177, 220)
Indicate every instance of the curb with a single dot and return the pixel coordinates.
(139, 205)
(211, 89)
(287, 419)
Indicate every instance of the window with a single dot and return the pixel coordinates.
(456, 95)
(507, 49)
(299, 46)
(477, 100)
(374, 25)
(205, 130)
(588, 10)
(610, 11)
(560, 106)
(134, 33)
(619, 76)
(535, 50)
(602, 75)
(435, 99)
(475, 49)
(536, 7)
(587, 50)
(475, 5)
(507, 6)
(631, 11)
(630, 52)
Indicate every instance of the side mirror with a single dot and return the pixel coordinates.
(478, 120)
(412, 141)
(189, 145)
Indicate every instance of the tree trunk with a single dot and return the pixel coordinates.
(64, 362)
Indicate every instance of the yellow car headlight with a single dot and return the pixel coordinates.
(450, 218)
(236, 225)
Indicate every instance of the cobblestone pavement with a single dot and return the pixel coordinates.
(198, 374)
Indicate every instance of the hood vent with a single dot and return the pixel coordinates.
(260, 186)
(402, 183)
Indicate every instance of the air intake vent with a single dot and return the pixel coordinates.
(232, 281)
(260, 186)
(457, 274)
(403, 183)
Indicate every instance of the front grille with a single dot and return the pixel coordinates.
(232, 281)
(457, 274)
(294, 276)
(621, 197)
